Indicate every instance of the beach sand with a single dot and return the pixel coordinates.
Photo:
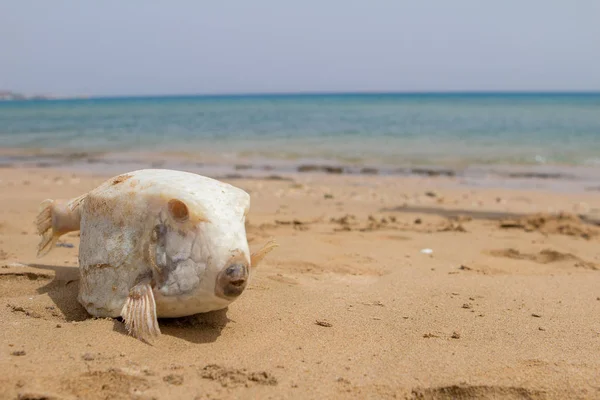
(506, 305)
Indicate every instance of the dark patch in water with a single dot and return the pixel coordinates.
(369, 171)
(321, 168)
(432, 172)
(539, 175)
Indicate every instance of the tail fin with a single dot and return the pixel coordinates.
(54, 220)
(257, 257)
(44, 228)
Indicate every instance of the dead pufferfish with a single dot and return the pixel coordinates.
(155, 243)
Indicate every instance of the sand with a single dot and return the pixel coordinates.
(505, 303)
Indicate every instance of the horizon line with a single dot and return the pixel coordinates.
(49, 97)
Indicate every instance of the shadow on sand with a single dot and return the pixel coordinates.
(197, 329)
(63, 289)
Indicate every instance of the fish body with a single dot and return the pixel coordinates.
(156, 243)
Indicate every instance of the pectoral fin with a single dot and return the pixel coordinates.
(257, 257)
(139, 312)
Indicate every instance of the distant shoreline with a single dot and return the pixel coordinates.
(8, 96)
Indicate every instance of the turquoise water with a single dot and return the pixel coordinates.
(454, 130)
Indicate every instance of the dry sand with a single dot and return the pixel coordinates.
(505, 306)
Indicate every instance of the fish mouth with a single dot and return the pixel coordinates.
(232, 281)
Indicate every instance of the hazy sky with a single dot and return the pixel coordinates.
(168, 47)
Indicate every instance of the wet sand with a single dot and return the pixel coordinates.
(383, 287)
(565, 178)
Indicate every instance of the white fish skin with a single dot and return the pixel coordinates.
(175, 230)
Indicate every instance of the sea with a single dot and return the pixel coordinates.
(470, 136)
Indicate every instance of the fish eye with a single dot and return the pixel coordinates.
(178, 210)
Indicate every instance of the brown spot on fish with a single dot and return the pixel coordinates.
(120, 178)
(178, 210)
